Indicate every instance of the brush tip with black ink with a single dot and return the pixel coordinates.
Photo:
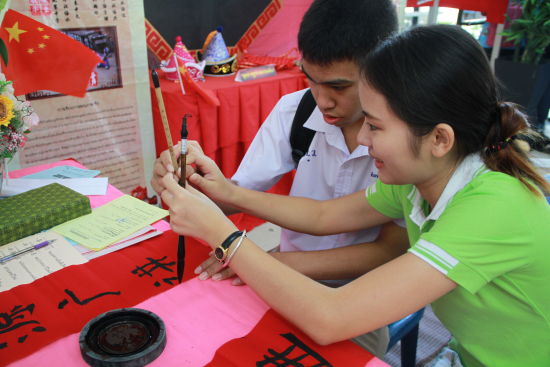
(155, 78)
(184, 126)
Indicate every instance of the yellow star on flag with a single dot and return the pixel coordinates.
(14, 32)
(30, 50)
(40, 29)
(46, 37)
(41, 45)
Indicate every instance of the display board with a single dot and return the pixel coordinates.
(110, 129)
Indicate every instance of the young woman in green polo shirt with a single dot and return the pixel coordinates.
(477, 220)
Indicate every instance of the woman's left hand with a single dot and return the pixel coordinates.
(193, 214)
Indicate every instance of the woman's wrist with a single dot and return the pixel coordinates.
(230, 193)
(223, 230)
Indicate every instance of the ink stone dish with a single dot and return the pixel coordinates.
(127, 337)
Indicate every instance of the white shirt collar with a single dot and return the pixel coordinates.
(463, 174)
(333, 134)
(315, 122)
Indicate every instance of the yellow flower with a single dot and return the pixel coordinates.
(6, 110)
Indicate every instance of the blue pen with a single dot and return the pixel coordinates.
(24, 251)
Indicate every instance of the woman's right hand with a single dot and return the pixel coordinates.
(163, 165)
(207, 177)
(193, 214)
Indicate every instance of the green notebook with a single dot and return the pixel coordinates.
(39, 209)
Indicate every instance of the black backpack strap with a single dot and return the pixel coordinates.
(300, 136)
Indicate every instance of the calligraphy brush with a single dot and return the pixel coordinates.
(164, 118)
(183, 164)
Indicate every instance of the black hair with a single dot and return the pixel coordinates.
(338, 30)
(440, 74)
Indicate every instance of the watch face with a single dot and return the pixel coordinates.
(218, 252)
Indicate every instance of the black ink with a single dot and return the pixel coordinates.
(8, 320)
(171, 281)
(153, 265)
(83, 302)
(12, 320)
(62, 304)
(302, 352)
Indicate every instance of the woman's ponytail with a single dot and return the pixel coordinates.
(505, 153)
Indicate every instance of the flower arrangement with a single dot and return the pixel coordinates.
(16, 120)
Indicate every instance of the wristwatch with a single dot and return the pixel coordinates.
(222, 250)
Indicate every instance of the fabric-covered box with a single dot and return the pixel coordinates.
(39, 209)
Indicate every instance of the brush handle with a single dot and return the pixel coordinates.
(164, 118)
(183, 164)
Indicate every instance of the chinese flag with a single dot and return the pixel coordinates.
(40, 57)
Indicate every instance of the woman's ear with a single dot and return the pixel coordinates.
(443, 139)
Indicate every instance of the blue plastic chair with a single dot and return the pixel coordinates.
(547, 177)
(406, 331)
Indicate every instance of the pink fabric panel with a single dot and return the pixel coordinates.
(198, 317)
(280, 35)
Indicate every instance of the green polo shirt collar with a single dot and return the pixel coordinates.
(463, 174)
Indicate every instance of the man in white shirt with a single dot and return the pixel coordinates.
(333, 35)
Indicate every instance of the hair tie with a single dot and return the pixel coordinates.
(501, 144)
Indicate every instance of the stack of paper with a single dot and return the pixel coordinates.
(77, 179)
(111, 227)
(134, 238)
(118, 222)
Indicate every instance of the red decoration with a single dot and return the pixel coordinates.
(494, 9)
(140, 193)
(281, 62)
(205, 93)
(276, 342)
(42, 58)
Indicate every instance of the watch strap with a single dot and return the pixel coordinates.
(221, 251)
(235, 248)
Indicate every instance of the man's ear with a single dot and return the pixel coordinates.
(443, 139)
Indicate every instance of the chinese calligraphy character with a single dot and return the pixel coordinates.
(83, 302)
(298, 354)
(15, 319)
(153, 265)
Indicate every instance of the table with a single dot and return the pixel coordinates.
(224, 132)
(208, 323)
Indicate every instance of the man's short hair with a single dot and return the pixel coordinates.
(337, 30)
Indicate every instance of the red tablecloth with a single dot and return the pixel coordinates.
(224, 132)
